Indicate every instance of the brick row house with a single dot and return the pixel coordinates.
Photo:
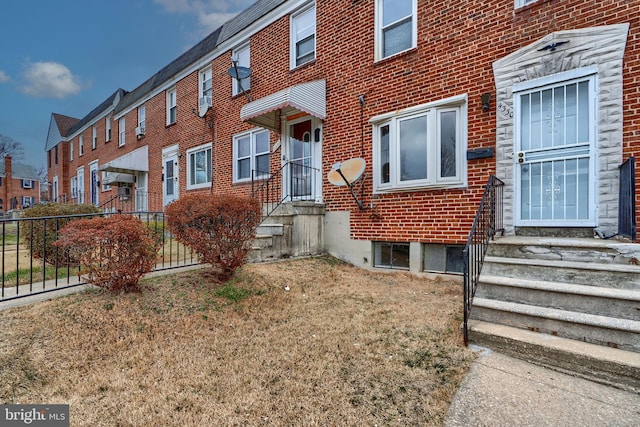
(19, 185)
(434, 96)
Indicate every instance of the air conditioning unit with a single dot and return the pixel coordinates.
(140, 131)
(124, 191)
(205, 101)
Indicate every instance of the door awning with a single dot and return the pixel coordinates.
(118, 178)
(307, 97)
(130, 163)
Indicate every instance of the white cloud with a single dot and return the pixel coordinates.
(49, 80)
(211, 14)
(4, 77)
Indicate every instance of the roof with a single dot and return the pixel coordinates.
(98, 111)
(20, 171)
(64, 123)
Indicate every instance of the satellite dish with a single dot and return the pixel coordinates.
(239, 73)
(347, 172)
(202, 109)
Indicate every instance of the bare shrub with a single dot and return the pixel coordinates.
(219, 229)
(115, 252)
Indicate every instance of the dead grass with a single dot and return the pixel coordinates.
(342, 347)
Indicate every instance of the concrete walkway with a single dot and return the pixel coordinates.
(502, 391)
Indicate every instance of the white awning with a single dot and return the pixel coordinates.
(118, 178)
(130, 163)
(307, 97)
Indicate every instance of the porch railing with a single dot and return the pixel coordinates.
(627, 200)
(487, 223)
(27, 268)
(293, 181)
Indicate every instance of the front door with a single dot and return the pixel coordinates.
(94, 182)
(80, 176)
(304, 157)
(555, 154)
(170, 185)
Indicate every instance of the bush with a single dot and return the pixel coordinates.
(45, 231)
(219, 229)
(115, 252)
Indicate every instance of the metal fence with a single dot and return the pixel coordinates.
(31, 265)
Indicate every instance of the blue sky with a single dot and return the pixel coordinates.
(68, 56)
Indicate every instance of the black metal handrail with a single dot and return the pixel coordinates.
(627, 201)
(487, 223)
(270, 191)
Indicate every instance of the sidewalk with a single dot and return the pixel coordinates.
(502, 391)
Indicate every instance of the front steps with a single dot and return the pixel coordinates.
(535, 291)
(294, 229)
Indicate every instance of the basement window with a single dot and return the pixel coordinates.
(440, 258)
(391, 255)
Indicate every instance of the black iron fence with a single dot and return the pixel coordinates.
(627, 200)
(487, 223)
(124, 200)
(293, 181)
(31, 265)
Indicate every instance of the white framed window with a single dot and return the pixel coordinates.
(396, 27)
(243, 56)
(205, 87)
(391, 255)
(105, 187)
(74, 186)
(94, 137)
(142, 120)
(171, 107)
(251, 154)
(522, 3)
(199, 167)
(122, 132)
(71, 144)
(27, 201)
(27, 183)
(303, 37)
(107, 132)
(422, 147)
(80, 145)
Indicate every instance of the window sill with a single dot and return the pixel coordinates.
(396, 56)
(240, 94)
(530, 6)
(302, 66)
(170, 124)
(437, 187)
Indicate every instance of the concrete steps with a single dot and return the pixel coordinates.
(584, 291)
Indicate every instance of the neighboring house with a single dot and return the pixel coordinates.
(19, 185)
(435, 98)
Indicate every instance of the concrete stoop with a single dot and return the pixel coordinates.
(294, 229)
(540, 298)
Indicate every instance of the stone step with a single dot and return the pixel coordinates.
(605, 365)
(566, 249)
(600, 330)
(619, 276)
(611, 302)
(270, 229)
(262, 241)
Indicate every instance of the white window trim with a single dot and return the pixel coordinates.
(252, 155)
(74, 186)
(122, 132)
(170, 105)
(107, 129)
(27, 183)
(142, 117)
(80, 146)
(379, 47)
(434, 181)
(235, 90)
(522, 3)
(203, 147)
(292, 36)
(201, 80)
(94, 137)
(105, 187)
(71, 150)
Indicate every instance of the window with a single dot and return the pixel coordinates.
(27, 183)
(396, 28)
(171, 106)
(108, 128)
(27, 201)
(94, 137)
(74, 187)
(57, 154)
(251, 153)
(105, 187)
(0, 181)
(80, 146)
(242, 55)
(142, 119)
(71, 150)
(422, 147)
(199, 166)
(440, 258)
(522, 3)
(391, 255)
(204, 82)
(303, 37)
(121, 129)
(49, 155)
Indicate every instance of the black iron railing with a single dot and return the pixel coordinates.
(31, 265)
(487, 223)
(627, 200)
(293, 181)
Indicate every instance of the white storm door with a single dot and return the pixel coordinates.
(80, 175)
(170, 187)
(94, 182)
(304, 156)
(555, 167)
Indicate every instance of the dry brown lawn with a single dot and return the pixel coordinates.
(342, 347)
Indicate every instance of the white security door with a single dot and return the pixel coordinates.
(170, 187)
(555, 154)
(94, 182)
(80, 175)
(303, 175)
